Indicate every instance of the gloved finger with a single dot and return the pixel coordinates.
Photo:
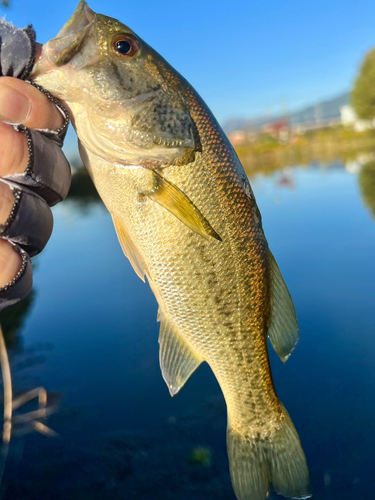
(36, 162)
(14, 153)
(32, 111)
(10, 263)
(18, 50)
(25, 218)
(22, 103)
(47, 172)
(15, 274)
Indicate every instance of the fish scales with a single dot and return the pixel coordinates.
(247, 250)
(186, 217)
(231, 312)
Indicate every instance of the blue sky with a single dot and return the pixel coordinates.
(244, 57)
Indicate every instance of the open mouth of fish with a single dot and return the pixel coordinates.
(69, 40)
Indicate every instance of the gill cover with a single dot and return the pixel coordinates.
(164, 117)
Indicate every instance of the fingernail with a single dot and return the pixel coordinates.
(14, 106)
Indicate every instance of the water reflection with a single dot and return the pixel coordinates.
(121, 435)
(366, 180)
(13, 319)
(24, 412)
(82, 191)
(20, 416)
(165, 462)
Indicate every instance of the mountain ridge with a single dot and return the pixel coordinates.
(328, 109)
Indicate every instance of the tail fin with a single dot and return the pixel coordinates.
(278, 462)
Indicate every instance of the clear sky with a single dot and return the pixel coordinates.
(244, 57)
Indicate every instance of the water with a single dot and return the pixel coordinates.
(90, 338)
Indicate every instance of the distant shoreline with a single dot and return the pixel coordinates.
(267, 153)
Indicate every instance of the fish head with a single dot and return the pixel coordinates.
(127, 104)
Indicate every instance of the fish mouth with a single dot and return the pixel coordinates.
(69, 40)
(78, 21)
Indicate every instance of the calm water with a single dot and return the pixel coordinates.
(90, 337)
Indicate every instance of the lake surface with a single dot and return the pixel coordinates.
(90, 337)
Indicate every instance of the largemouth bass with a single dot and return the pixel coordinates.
(187, 219)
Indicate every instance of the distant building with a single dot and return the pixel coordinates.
(237, 137)
(350, 118)
(279, 129)
(348, 115)
(323, 114)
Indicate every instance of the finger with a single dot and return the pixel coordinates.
(10, 260)
(18, 279)
(48, 171)
(10, 263)
(20, 102)
(6, 202)
(27, 218)
(14, 153)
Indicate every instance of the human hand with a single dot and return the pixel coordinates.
(20, 102)
(34, 174)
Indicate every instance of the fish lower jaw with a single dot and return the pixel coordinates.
(80, 18)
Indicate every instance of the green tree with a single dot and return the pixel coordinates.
(366, 181)
(363, 93)
(12, 320)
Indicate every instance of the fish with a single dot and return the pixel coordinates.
(187, 219)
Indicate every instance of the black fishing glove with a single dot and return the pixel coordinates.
(45, 181)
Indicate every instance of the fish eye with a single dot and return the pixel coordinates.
(125, 45)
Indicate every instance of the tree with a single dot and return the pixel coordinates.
(363, 93)
(366, 181)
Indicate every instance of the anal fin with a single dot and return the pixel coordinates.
(129, 249)
(178, 360)
(169, 196)
(283, 331)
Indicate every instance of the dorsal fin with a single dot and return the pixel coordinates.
(283, 330)
(178, 360)
(169, 196)
(129, 249)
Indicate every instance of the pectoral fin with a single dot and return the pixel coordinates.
(283, 330)
(129, 249)
(178, 360)
(175, 201)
